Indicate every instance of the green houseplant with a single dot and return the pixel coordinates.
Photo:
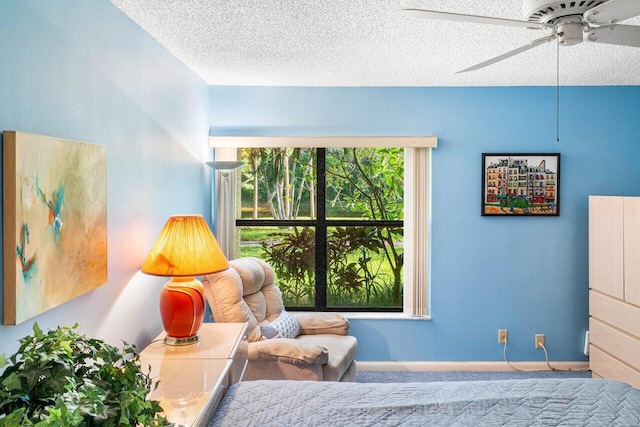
(63, 378)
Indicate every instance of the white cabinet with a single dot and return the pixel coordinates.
(606, 245)
(632, 250)
(614, 282)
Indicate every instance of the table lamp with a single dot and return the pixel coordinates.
(185, 248)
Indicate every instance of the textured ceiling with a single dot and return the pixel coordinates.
(362, 43)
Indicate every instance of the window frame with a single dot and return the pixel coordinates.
(321, 224)
(417, 217)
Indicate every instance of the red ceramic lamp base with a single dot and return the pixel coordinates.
(182, 310)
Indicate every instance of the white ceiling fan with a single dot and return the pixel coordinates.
(570, 22)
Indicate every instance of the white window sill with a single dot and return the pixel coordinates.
(373, 315)
(383, 315)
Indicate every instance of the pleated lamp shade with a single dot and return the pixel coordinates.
(185, 247)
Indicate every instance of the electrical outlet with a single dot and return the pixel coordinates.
(502, 336)
(539, 340)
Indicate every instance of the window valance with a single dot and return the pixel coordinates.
(322, 141)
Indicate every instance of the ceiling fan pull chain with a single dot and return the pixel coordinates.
(558, 90)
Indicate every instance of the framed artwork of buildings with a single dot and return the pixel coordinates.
(521, 184)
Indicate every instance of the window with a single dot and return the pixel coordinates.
(330, 223)
(284, 221)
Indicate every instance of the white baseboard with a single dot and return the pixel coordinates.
(469, 366)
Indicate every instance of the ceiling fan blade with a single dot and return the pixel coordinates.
(612, 11)
(458, 17)
(509, 54)
(623, 35)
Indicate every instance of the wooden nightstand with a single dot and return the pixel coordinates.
(194, 378)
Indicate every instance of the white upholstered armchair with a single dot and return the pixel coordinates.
(300, 346)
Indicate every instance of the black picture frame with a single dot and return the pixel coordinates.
(520, 184)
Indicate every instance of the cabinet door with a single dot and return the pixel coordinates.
(606, 245)
(632, 250)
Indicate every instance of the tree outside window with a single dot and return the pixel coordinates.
(329, 221)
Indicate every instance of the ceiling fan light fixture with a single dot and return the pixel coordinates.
(570, 31)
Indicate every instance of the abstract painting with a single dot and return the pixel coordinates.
(521, 184)
(55, 222)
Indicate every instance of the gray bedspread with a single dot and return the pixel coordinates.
(535, 402)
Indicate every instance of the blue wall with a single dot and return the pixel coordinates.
(529, 274)
(82, 70)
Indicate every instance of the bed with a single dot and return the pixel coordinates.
(539, 402)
